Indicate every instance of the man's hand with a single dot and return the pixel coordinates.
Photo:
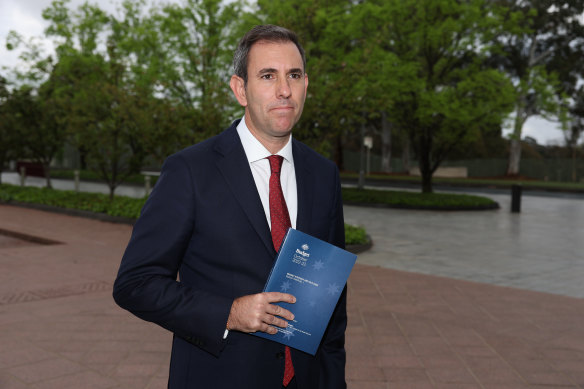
(257, 313)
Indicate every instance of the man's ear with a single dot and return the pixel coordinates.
(238, 87)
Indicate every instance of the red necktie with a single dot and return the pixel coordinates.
(280, 220)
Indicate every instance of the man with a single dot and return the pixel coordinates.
(208, 220)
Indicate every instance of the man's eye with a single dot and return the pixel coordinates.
(296, 75)
(267, 76)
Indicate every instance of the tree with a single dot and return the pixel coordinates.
(31, 127)
(330, 113)
(36, 119)
(9, 137)
(415, 67)
(423, 62)
(534, 33)
(371, 69)
(33, 119)
(575, 127)
(192, 60)
(139, 85)
(90, 90)
(111, 106)
(44, 135)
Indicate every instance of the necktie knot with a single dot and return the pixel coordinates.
(275, 163)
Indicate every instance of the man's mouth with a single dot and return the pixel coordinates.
(281, 106)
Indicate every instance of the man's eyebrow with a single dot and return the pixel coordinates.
(295, 70)
(272, 70)
(267, 70)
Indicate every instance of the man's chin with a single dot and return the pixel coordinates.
(283, 126)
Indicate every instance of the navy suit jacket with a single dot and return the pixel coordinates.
(204, 222)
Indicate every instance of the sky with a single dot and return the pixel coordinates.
(24, 17)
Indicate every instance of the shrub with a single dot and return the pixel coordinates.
(401, 199)
(355, 235)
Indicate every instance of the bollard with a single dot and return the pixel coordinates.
(76, 174)
(22, 175)
(515, 198)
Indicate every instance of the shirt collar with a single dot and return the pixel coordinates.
(253, 148)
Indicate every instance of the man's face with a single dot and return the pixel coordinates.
(275, 92)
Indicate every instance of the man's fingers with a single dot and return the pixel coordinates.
(275, 321)
(274, 297)
(259, 313)
(277, 310)
(270, 330)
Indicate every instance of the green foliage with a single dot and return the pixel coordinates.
(29, 126)
(113, 102)
(195, 44)
(9, 137)
(355, 235)
(329, 111)
(139, 84)
(119, 206)
(539, 47)
(420, 64)
(93, 202)
(441, 95)
(437, 201)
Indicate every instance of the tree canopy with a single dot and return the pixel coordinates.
(130, 88)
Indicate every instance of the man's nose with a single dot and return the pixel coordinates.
(284, 90)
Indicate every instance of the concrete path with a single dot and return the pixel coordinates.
(541, 248)
(426, 305)
(84, 186)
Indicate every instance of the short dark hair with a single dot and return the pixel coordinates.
(268, 33)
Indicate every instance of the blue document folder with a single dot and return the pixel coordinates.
(315, 272)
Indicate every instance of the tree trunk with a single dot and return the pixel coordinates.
(112, 189)
(515, 149)
(574, 178)
(514, 158)
(47, 172)
(385, 144)
(406, 155)
(424, 164)
(361, 182)
(82, 158)
(427, 182)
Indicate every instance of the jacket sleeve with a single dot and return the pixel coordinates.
(332, 356)
(147, 284)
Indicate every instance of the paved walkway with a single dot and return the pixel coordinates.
(541, 248)
(426, 305)
(84, 186)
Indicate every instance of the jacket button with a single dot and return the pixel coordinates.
(279, 355)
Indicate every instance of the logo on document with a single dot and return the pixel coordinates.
(301, 256)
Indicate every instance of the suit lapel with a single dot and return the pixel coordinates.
(304, 186)
(233, 165)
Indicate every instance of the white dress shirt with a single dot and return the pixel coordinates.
(260, 168)
(257, 156)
